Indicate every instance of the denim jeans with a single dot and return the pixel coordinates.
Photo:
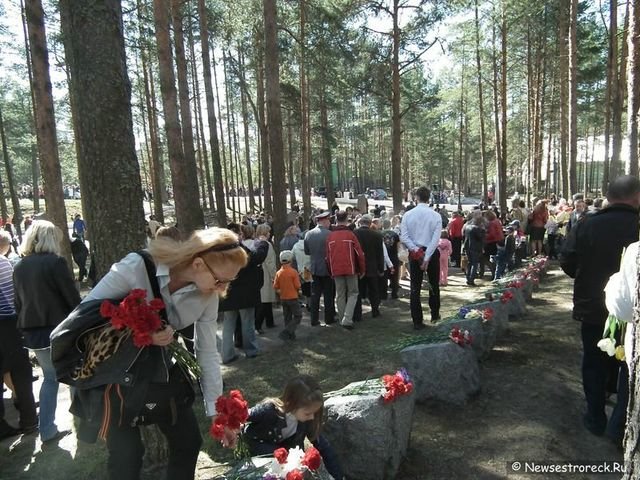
(249, 341)
(472, 267)
(48, 395)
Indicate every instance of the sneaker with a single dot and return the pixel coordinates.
(57, 437)
(9, 432)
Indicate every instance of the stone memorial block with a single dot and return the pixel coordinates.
(369, 436)
(442, 371)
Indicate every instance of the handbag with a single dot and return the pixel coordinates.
(464, 262)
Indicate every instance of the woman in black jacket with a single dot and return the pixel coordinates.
(45, 294)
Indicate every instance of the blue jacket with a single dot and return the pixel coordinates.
(263, 433)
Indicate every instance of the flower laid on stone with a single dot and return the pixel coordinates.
(462, 313)
(515, 284)
(231, 413)
(293, 464)
(473, 313)
(487, 314)
(506, 296)
(396, 385)
(460, 337)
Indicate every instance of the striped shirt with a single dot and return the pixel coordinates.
(7, 305)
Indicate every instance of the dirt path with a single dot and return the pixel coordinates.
(529, 407)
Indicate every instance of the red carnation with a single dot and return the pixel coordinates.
(312, 458)
(281, 455)
(232, 413)
(294, 475)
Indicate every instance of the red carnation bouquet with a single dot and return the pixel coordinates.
(136, 314)
(487, 314)
(396, 385)
(231, 413)
(141, 319)
(460, 337)
(506, 296)
(516, 284)
(293, 464)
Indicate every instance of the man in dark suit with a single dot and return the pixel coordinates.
(372, 244)
(591, 255)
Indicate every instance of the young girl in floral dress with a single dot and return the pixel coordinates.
(286, 421)
(445, 248)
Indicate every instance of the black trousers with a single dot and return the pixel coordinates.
(323, 286)
(368, 287)
(597, 370)
(126, 449)
(14, 359)
(456, 252)
(264, 311)
(390, 280)
(433, 277)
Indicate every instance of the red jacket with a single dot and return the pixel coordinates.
(494, 232)
(455, 227)
(344, 253)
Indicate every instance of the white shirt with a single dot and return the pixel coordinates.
(421, 227)
(621, 292)
(185, 307)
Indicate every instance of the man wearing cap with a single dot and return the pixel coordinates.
(315, 245)
(345, 259)
(372, 244)
(420, 232)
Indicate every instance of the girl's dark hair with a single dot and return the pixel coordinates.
(303, 391)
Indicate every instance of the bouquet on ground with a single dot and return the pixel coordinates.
(396, 385)
(139, 318)
(460, 337)
(506, 296)
(293, 464)
(232, 412)
(614, 331)
(468, 313)
(515, 284)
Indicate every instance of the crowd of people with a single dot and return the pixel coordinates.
(237, 275)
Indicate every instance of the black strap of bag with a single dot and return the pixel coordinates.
(153, 280)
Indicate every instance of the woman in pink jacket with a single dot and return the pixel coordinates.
(445, 248)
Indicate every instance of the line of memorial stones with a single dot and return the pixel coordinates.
(370, 436)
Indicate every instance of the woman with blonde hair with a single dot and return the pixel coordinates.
(264, 311)
(45, 294)
(192, 275)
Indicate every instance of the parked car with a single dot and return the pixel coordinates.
(377, 194)
(320, 192)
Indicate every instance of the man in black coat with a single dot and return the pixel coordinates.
(591, 255)
(372, 244)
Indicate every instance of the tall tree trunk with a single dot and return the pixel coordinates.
(232, 171)
(184, 175)
(177, 19)
(496, 118)
(396, 121)
(573, 96)
(564, 94)
(633, 87)
(223, 147)
(326, 149)
(35, 166)
(616, 168)
(272, 77)
(305, 160)
(202, 143)
(95, 54)
(632, 435)
(221, 212)
(483, 145)
(5, 155)
(503, 111)
(262, 122)
(46, 124)
(610, 90)
(245, 125)
(16, 220)
(290, 176)
(157, 183)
